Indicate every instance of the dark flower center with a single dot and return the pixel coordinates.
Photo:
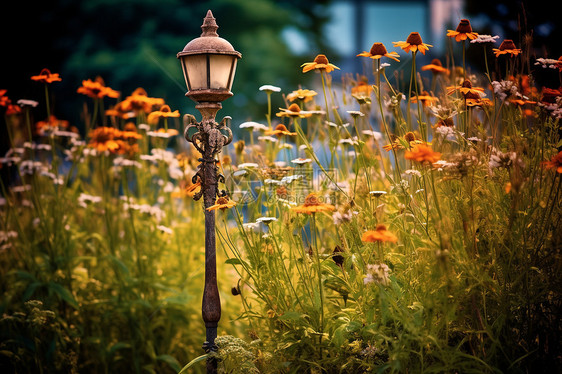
(414, 39)
(507, 44)
(378, 49)
(464, 26)
(321, 59)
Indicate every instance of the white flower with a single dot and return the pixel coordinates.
(505, 89)
(355, 113)
(266, 220)
(301, 161)
(375, 134)
(254, 226)
(350, 141)
(272, 181)
(413, 172)
(84, 199)
(270, 88)
(66, 134)
(332, 124)
(377, 193)
(248, 165)
(121, 161)
(254, 126)
(377, 273)
(30, 103)
(446, 131)
(548, 63)
(485, 39)
(267, 139)
(165, 229)
(144, 127)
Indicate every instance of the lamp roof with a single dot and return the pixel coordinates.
(209, 42)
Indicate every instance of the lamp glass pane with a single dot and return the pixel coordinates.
(220, 71)
(196, 69)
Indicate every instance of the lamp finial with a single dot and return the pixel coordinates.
(209, 26)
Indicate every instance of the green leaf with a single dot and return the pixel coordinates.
(291, 316)
(117, 346)
(233, 261)
(63, 293)
(174, 364)
(193, 362)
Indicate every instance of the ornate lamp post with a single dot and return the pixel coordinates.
(209, 64)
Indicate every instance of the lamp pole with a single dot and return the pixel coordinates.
(208, 64)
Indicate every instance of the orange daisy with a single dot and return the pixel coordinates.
(293, 111)
(53, 123)
(425, 98)
(377, 51)
(280, 130)
(97, 89)
(422, 153)
(506, 47)
(305, 95)
(320, 63)
(379, 235)
(555, 163)
(313, 205)
(193, 189)
(463, 31)
(139, 101)
(46, 77)
(164, 112)
(4, 99)
(435, 67)
(466, 89)
(222, 203)
(414, 43)
(105, 139)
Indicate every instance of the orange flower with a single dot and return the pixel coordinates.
(4, 99)
(164, 112)
(435, 67)
(362, 90)
(425, 98)
(140, 102)
(506, 47)
(555, 163)
(320, 63)
(378, 235)
(120, 111)
(377, 51)
(46, 77)
(414, 43)
(467, 90)
(313, 205)
(97, 89)
(480, 101)
(104, 139)
(305, 95)
(463, 31)
(280, 130)
(293, 111)
(130, 132)
(222, 203)
(422, 153)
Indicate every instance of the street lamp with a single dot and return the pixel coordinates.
(209, 64)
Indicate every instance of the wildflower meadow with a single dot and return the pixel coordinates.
(381, 223)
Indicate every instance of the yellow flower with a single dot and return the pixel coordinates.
(463, 31)
(506, 47)
(414, 43)
(313, 205)
(378, 235)
(222, 203)
(377, 51)
(321, 63)
(305, 95)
